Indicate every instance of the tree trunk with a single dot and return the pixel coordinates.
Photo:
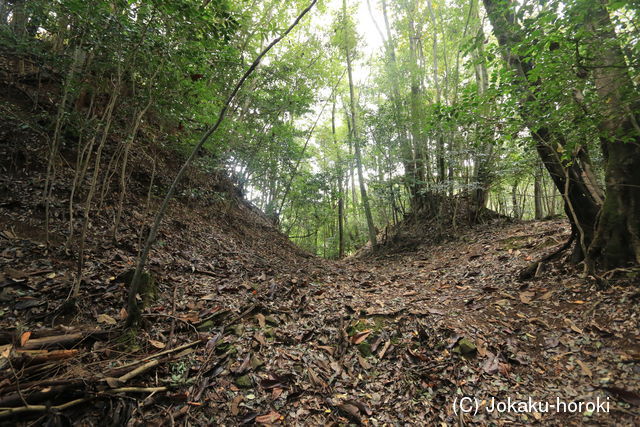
(515, 209)
(436, 82)
(581, 205)
(617, 237)
(405, 143)
(537, 192)
(356, 144)
(340, 189)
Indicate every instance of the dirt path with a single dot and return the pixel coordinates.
(394, 340)
(447, 322)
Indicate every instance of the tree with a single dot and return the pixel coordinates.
(617, 235)
(348, 46)
(581, 204)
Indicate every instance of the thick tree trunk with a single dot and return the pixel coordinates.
(581, 204)
(617, 237)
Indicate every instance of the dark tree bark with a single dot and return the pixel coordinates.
(581, 205)
(537, 193)
(617, 236)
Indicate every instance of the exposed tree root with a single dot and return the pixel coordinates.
(529, 271)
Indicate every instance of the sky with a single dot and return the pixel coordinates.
(371, 46)
(371, 41)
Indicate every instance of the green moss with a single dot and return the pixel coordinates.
(365, 349)
(238, 329)
(128, 341)
(205, 326)
(515, 242)
(147, 288)
(244, 381)
(225, 348)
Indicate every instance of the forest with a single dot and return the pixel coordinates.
(319, 212)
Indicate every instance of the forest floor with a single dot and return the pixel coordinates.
(397, 339)
(243, 327)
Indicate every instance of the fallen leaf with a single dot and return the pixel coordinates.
(547, 295)
(572, 325)
(316, 380)
(261, 320)
(363, 362)
(157, 344)
(527, 296)
(361, 406)
(234, 405)
(269, 418)
(5, 350)
(105, 318)
(585, 369)
(384, 349)
(24, 338)
(360, 336)
(351, 411)
(491, 365)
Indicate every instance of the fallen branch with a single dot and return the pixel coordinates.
(136, 390)
(126, 377)
(160, 354)
(7, 412)
(22, 358)
(65, 340)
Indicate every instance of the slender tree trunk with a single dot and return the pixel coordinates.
(418, 158)
(133, 317)
(483, 156)
(94, 182)
(537, 192)
(406, 151)
(53, 149)
(123, 169)
(440, 161)
(339, 173)
(515, 211)
(356, 144)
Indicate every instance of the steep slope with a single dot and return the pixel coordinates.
(212, 236)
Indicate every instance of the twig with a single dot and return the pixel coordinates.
(173, 313)
(5, 412)
(136, 390)
(529, 271)
(126, 377)
(162, 353)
